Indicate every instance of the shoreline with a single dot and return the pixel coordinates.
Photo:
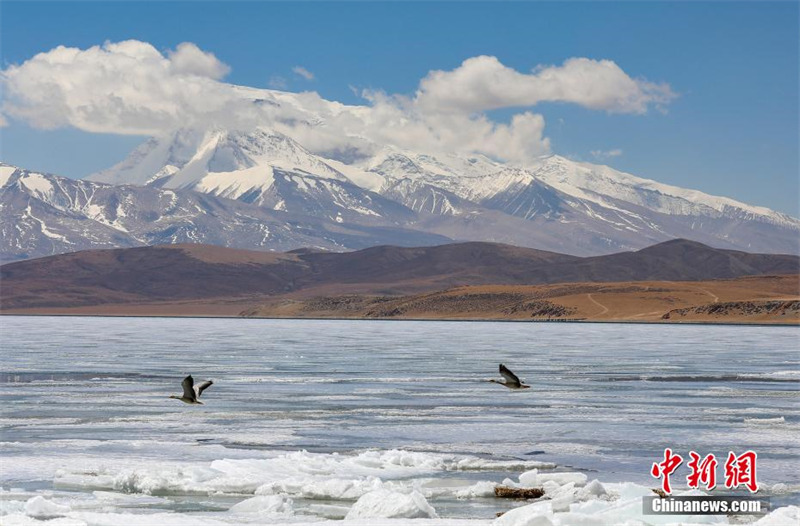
(342, 318)
(762, 300)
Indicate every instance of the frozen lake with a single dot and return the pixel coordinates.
(311, 415)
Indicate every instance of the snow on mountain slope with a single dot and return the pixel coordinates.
(190, 155)
(336, 200)
(600, 209)
(42, 214)
(153, 160)
(479, 179)
(426, 198)
(262, 167)
(395, 163)
(371, 181)
(595, 182)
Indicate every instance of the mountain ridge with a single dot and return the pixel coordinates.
(593, 208)
(191, 272)
(43, 214)
(262, 189)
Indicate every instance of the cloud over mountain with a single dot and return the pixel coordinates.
(484, 83)
(123, 88)
(133, 88)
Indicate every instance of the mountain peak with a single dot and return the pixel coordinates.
(227, 162)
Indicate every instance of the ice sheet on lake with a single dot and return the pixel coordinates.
(300, 474)
(307, 417)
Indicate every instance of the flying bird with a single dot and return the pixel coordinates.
(510, 379)
(190, 392)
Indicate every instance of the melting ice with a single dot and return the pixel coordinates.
(381, 423)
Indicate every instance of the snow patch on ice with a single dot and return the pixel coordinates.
(392, 505)
(41, 508)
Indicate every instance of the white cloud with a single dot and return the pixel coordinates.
(127, 88)
(606, 154)
(303, 72)
(398, 120)
(188, 59)
(132, 88)
(484, 83)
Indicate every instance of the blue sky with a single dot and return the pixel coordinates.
(732, 131)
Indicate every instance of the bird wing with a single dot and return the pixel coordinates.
(202, 387)
(188, 388)
(510, 377)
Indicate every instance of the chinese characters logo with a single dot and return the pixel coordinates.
(739, 470)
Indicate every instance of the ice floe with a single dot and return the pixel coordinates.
(392, 505)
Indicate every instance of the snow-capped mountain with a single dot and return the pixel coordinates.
(42, 214)
(554, 204)
(479, 179)
(262, 167)
(586, 208)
